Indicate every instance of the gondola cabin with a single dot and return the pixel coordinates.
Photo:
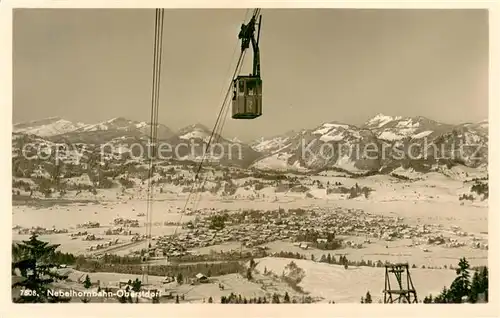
(247, 97)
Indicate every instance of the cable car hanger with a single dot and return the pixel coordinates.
(247, 89)
(247, 36)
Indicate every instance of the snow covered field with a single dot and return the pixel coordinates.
(431, 200)
(233, 283)
(396, 252)
(69, 216)
(329, 282)
(333, 282)
(470, 218)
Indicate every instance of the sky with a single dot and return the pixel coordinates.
(317, 65)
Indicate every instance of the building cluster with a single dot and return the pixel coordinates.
(89, 225)
(126, 222)
(92, 237)
(119, 230)
(39, 230)
(103, 245)
(261, 227)
(77, 234)
(459, 241)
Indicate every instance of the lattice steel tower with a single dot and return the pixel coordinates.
(404, 293)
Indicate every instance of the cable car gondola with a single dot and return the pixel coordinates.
(247, 89)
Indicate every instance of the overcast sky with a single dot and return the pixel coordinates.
(316, 65)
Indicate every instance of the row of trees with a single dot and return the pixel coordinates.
(464, 287)
(275, 299)
(342, 260)
(187, 270)
(217, 256)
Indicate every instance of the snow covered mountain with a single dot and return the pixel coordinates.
(274, 143)
(197, 132)
(118, 123)
(328, 145)
(61, 130)
(380, 120)
(480, 128)
(190, 143)
(426, 142)
(120, 126)
(374, 146)
(383, 144)
(397, 128)
(47, 127)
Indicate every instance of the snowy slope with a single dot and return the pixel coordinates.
(190, 143)
(333, 282)
(47, 127)
(274, 143)
(398, 128)
(331, 144)
(343, 146)
(380, 120)
(63, 130)
(125, 125)
(196, 132)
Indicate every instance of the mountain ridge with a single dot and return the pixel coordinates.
(378, 121)
(292, 150)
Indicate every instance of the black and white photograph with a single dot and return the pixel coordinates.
(250, 156)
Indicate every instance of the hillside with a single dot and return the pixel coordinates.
(333, 282)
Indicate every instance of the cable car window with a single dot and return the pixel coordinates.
(250, 87)
(241, 88)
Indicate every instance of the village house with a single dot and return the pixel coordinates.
(199, 279)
